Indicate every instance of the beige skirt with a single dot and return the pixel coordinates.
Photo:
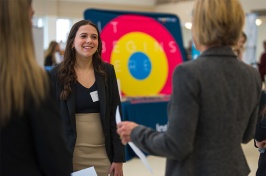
(90, 144)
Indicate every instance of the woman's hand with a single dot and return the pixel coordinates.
(124, 129)
(117, 169)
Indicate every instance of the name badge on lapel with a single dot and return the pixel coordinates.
(94, 96)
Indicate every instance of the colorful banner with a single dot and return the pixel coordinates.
(143, 47)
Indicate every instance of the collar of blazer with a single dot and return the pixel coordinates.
(221, 51)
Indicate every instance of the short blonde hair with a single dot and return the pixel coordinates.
(217, 22)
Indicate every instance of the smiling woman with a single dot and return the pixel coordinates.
(87, 90)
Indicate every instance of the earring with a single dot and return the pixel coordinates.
(97, 50)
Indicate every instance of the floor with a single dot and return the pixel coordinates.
(135, 167)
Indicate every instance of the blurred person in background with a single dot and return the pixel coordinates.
(31, 136)
(52, 55)
(189, 50)
(240, 48)
(214, 102)
(262, 64)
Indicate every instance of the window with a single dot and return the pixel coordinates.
(62, 29)
(38, 22)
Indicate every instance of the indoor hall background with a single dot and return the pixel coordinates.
(51, 10)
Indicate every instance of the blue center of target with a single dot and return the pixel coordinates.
(139, 65)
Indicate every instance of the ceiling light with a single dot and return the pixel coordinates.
(258, 22)
(188, 25)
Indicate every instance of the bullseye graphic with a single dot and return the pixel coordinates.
(139, 65)
(143, 52)
(139, 69)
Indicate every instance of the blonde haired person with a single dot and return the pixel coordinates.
(52, 54)
(31, 140)
(214, 103)
(239, 47)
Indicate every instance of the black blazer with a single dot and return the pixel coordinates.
(109, 100)
(33, 144)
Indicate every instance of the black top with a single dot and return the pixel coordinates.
(48, 61)
(87, 100)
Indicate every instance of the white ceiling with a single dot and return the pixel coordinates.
(254, 3)
(124, 2)
(182, 9)
(248, 5)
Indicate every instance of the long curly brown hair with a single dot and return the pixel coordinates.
(66, 72)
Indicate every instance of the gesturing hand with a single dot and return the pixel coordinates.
(124, 129)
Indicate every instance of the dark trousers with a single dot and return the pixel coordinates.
(261, 171)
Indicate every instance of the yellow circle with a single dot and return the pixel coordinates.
(139, 42)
